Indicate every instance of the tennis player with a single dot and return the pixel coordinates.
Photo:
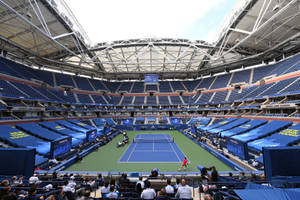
(184, 164)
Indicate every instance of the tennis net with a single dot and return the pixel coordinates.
(153, 140)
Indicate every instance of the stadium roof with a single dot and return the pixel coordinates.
(46, 33)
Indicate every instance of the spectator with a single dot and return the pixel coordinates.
(177, 185)
(262, 177)
(162, 195)
(67, 187)
(242, 176)
(139, 189)
(253, 178)
(48, 187)
(72, 183)
(214, 174)
(15, 181)
(44, 177)
(86, 195)
(105, 189)
(230, 176)
(6, 193)
(34, 180)
(100, 180)
(54, 176)
(255, 163)
(204, 173)
(184, 191)
(140, 181)
(31, 194)
(169, 188)
(207, 197)
(148, 192)
(123, 180)
(113, 183)
(112, 193)
(51, 197)
(19, 194)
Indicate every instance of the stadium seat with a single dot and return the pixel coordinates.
(262, 131)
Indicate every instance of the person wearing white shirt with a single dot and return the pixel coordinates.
(184, 191)
(34, 179)
(72, 183)
(105, 189)
(67, 188)
(148, 193)
(169, 188)
(141, 182)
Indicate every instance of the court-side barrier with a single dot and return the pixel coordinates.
(74, 159)
(152, 127)
(221, 157)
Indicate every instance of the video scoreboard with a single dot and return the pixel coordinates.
(151, 79)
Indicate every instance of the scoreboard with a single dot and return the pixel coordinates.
(151, 79)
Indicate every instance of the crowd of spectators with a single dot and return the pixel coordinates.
(74, 186)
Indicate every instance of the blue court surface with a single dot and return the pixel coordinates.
(153, 149)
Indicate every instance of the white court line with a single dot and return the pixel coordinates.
(154, 151)
(175, 151)
(133, 149)
(152, 143)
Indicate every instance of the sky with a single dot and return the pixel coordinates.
(109, 20)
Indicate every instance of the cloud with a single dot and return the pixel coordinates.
(108, 20)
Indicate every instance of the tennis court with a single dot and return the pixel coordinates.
(107, 157)
(153, 148)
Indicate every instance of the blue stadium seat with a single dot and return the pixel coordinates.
(164, 86)
(99, 121)
(71, 126)
(217, 125)
(177, 85)
(19, 138)
(63, 79)
(229, 126)
(220, 96)
(241, 76)
(125, 87)
(284, 138)
(112, 86)
(244, 128)
(151, 88)
(191, 85)
(204, 98)
(99, 99)
(127, 100)
(64, 131)
(39, 131)
(98, 85)
(151, 100)
(163, 100)
(139, 100)
(83, 83)
(84, 98)
(138, 87)
(175, 100)
(262, 131)
(206, 83)
(221, 81)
